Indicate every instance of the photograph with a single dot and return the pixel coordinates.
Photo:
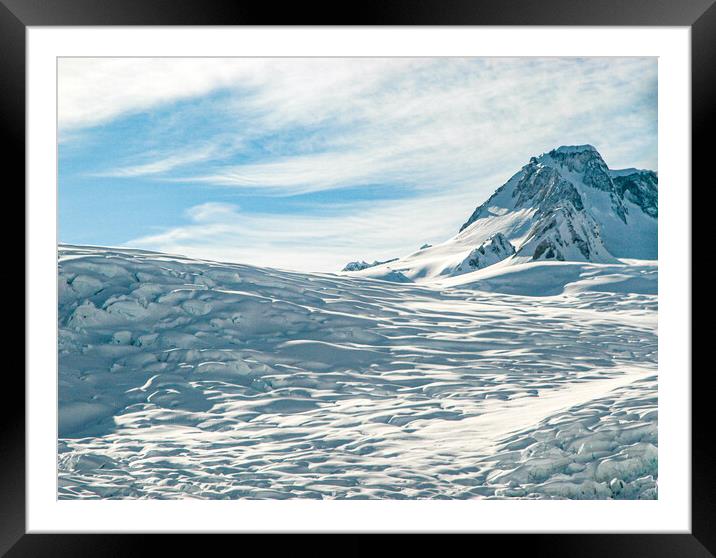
(358, 278)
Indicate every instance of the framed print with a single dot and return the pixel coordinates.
(407, 274)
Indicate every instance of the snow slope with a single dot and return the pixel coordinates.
(564, 205)
(188, 378)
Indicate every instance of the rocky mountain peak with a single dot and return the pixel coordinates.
(581, 159)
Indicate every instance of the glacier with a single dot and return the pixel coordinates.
(185, 378)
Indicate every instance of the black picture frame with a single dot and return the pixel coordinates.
(699, 15)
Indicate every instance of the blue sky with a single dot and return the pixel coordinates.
(309, 163)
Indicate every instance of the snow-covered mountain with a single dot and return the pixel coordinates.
(565, 205)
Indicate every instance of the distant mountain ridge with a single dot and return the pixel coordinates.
(564, 205)
(361, 265)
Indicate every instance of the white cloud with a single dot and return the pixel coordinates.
(394, 105)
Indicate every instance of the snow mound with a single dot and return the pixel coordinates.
(553, 278)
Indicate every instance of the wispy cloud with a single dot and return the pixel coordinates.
(164, 164)
(393, 106)
(323, 240)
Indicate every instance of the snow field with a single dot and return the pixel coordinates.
(186, 378)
